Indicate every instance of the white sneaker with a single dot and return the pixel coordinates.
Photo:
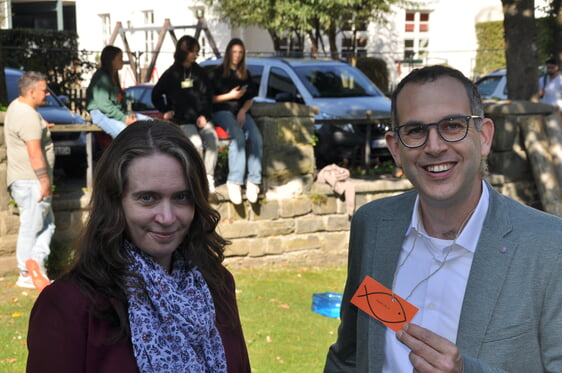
(252, 191)
(211, 181)
(25, 281)
(234, 193)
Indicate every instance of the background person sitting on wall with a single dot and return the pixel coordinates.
(233, 98)
(105, 100)
(183, 94)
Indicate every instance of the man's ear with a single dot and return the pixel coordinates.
(486, 136)
(393, 144)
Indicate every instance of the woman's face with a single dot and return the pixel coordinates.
(117, 62)
(236, 55)
(191, 57)
(158, 206)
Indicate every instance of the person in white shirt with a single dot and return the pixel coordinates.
(482, 269)
(550, 85)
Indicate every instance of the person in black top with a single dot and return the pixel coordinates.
(183, 94)
(232, 100)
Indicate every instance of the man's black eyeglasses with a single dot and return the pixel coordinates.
(451, 129)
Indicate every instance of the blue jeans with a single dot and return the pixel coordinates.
(248, 136)
(37, 223)
(112, 126)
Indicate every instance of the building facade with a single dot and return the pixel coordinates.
(432, 31)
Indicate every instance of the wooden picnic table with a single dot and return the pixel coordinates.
(88, 128)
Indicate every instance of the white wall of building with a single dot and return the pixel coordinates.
(93, 35)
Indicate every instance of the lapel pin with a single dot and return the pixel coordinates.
(503, 249)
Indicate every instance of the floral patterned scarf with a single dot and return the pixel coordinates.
(172, 317)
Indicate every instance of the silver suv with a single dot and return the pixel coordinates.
(339, 90)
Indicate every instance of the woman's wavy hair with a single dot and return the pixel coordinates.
(185, 45)
(241, 69)
(106, 60)
(101, 262)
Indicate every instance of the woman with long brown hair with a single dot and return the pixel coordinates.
(148, 291)
(105, 100)
(232, 100)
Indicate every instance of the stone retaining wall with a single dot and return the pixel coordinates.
(298, 221)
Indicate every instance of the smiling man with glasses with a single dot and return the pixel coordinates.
(482, 270)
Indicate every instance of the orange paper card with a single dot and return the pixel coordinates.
(378, 301)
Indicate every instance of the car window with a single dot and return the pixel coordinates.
(487, 85)
(336, 81)
(141, 98)
(280, 82)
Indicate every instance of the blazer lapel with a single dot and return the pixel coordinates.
(492, 259)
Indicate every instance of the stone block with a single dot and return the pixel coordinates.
(257, 247)
(267, 210)
(4, 194)
(335, 243)
(323, 204)
(229, 211)
(287, 131)
(309, 224)
(276, 228)
(9, 224)
(231, 229)
(8, 244)
(289, 208)
(240, 247)
(274, 246)
(301, 242)
(337, 223)
(513, 165)
(288, 161)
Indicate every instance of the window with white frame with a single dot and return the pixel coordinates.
(416, 40)
(106, 30)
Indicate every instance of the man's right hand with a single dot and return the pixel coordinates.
(45, 189)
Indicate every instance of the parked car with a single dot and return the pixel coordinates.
(337, 89)
(140, 98)
(493, 86)
(70, 147)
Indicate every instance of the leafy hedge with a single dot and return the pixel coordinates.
(491, 47)
(491, 44)
(54, 53)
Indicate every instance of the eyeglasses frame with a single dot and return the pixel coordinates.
(436, 124)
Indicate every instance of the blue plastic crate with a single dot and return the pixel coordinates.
(327, 304)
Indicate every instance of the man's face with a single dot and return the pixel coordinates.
(552, 69)
(441, 171)
(39, 94)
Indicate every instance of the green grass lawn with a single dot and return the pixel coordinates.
(282, 333)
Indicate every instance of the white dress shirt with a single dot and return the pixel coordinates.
(438, 293)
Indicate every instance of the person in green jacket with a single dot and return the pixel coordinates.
(105, 100)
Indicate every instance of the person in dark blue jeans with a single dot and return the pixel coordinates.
(232, 100)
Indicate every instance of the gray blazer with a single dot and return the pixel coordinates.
(511, 317)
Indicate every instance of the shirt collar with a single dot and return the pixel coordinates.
(469, 236)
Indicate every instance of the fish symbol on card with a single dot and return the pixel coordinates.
(383, 305)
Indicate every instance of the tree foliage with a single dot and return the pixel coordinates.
(314, 18)
(491, 47)
(54, 53)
